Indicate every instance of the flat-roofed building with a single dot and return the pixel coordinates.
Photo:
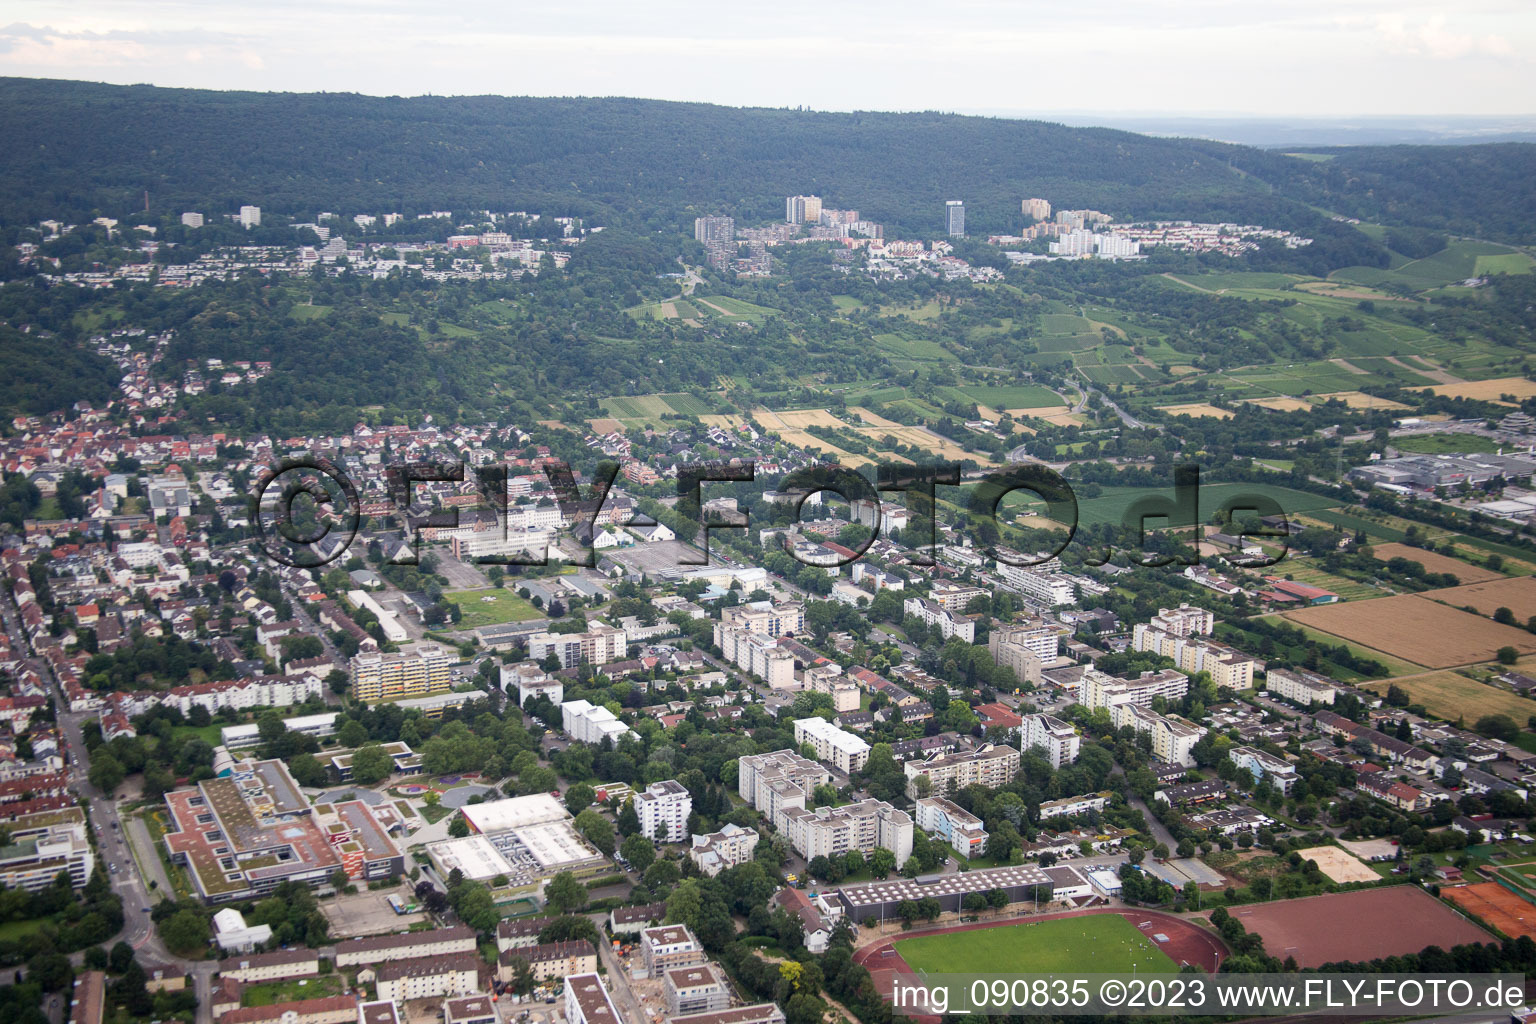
(699, 988)
(953, 825)
(1263, 766)
(1173, 737)
(833, 831)
(475, 1009)
(775, 781)
(1301, 687)
(379, 1012)
(1101, 690)
(844, 751)
(951, 624)
(1058, 739)
(591, 723)
(758, 1013)
(1068, 806)
(415, 671)
(881, 900)
(32, 863)
(663, 810)
(987, 765)
(669, 945)
(587, 1001)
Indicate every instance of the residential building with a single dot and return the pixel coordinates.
(952, 824)
(1300, 687)
(1262, 766)
(427, 978)
(32, 863)
(714, 229)
(1185, 620)
(954, 218)
(933, 614)
(699, 988)
(415, 671)
(475, 1009)
(842, 750)
(833, 831)
(987, 765)
(758, 1013)
(586, 722)
(802, 209)
(274, 966)
(250, 217)
(600, 644)
(773, 782)
(1100, 690)
(1069, 806)
(669, 945)
(325, 1010)
(1056, 738)
(829, 679)
(550, 960)
(434, 943)
(1173, 738)
(954, 597)
(663, 810)
(587, 1001)
(715, 852)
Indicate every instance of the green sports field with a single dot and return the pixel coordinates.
(1101, 943)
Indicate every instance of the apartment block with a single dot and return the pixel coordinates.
(829, 679)
(1039, 584)
(1173, 738)
(428, 978)
(833, 831)
(1101, 690)
(1058, 739)
(586, 722)
(669, 945)
(599, 645)
(587, 1001)
(842, 750)
(1230, 669)
(988, 765)
(758, 654)
(701, 988)
(31, 864)
(415, 671)
(953, 597)
(1263, 766)
(274, 966)
(1300, 687)
(716, 851)
(933, 614)
(1185, 620)
(438, 942)
(663, 810)
(1069, 806)
(785, 619)
(776, 781)
(549, 960)
(952, 824)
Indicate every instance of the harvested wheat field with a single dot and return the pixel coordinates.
(1360, 400)
(1435, 562)
(606, 426)
(803, 418)
(872, 419)
(1280, 404)
(1038, 412)
(1517, 593)
(1484, 390)
(722, 421)
(1415, 629)
(1197, 409)
(1451, 695)
(1339, 865)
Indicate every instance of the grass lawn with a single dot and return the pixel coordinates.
(1441, 444)
(211, 734)
(1105, 943)
(10, 931)
(291, 990)
(503, 606)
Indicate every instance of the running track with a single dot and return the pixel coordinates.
(1187, 942)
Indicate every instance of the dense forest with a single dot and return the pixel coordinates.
(656, 164)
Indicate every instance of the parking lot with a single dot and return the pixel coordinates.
(367, 913)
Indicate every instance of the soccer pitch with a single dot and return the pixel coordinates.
(1098, 943)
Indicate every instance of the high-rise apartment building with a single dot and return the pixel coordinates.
(954, 218)
(250, 216)
(714, 229)
(1037, 209)
(802, 209)
(415, 671)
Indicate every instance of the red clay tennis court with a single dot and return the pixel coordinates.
(1361, 925)
(1500, 908)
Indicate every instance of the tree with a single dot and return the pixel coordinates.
(352, 733)
(629, 819)
(639, 851)
(106, 772)
(308, 771)
(1500, 727)
(1504, 616)
(579, 797)
(458, 828)
(51, 971)
(565, 893)
(1507, 655)
(597, 829)
(371, 764)
(185, 932)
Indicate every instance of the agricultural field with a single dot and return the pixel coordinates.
(1106, 943)
(1452, 696)
(1113, 503)
(647, 410)
(1420, 630)
(1435, 562)
(491, 607)
(1517, 593)
(1486, 390)
(1198, 410)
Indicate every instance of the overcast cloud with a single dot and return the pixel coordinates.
(1299, 58)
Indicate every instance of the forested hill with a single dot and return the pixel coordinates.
(77, 147)
(97, 146)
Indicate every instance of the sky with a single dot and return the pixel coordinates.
(1282, 58)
